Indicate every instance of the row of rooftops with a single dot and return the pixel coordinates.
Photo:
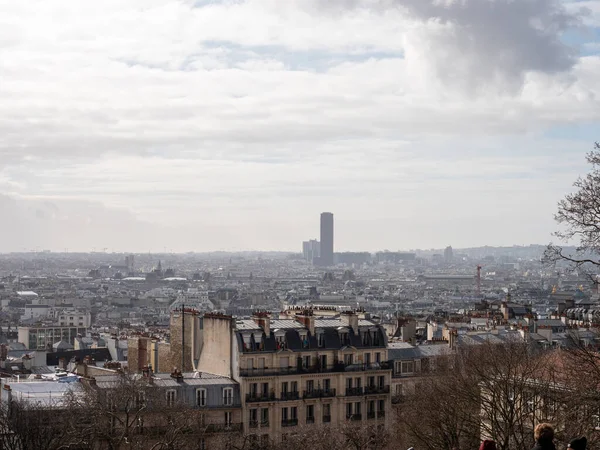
(307, 329)
(291, 324)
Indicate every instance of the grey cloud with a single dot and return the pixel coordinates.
(477, 43)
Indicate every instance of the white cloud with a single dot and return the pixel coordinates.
(259, 114)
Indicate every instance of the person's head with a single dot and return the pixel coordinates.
(578, 444)
(544, 433)
(487, 445)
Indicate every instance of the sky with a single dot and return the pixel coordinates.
(145, 125)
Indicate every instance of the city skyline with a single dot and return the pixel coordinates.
(233, 127)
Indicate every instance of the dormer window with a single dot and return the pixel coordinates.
(344, 338)
(321, 339)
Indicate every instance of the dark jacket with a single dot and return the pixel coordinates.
(544, 445)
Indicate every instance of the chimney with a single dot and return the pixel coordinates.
(177, 375)
(452, 339)
(263, 320)
(307, 319)
(350, 319)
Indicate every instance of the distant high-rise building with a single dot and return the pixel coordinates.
(311, 250)
(129, 262)
(326, 257)
(448, 254)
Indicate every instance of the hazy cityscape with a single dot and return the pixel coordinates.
(300, 225)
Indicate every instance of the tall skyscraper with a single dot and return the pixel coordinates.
(326, 257)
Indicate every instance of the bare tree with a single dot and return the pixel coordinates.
(28, 425)
(579, 216)
(346, 436)
(493, 391)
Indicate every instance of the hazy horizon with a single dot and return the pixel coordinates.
(202, 125)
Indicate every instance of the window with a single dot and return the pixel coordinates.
(284, 414)
(228, 418)
(265, 389)
(371, 407)
(408, 367)
(250, 363)
(264, 416)
(293, 413)
(358, 382)
(284, 387)
(310, 386)
(371, 381)
(348, 410)
(348, 383)
(284, 363)
(323, 361)
(357, 408)
(321, 339)
(367, 358)
(294, 386)
(348, 359)
(253, 418)
(202, 444)
(381, 405)
(326, 413)
(327, 384)
(381, 382)
(171, 397)
(377, 357)
(310, 414)
(200, 397)
(306, 362)
(228, 396)
(253, 389)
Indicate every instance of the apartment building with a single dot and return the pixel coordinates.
(211, 404)
(310, 371)
(43, 338)
(409, 363)
(71, 318)
(303, 369)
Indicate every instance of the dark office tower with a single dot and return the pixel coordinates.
(326, 257)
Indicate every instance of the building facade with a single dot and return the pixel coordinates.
(43, 338)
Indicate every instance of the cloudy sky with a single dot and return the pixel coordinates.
(228, 125)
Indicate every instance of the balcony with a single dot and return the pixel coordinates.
(370, 415)
(326, 419)
(253, 424)
(354, 417)
(380, 414)
(289, 422)
(264, 424)
(290, 396)
(224, 428)
(319, 393)
(310, 420)
(350, 392)
(260, 397)
(370, 390)
(333, 368)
